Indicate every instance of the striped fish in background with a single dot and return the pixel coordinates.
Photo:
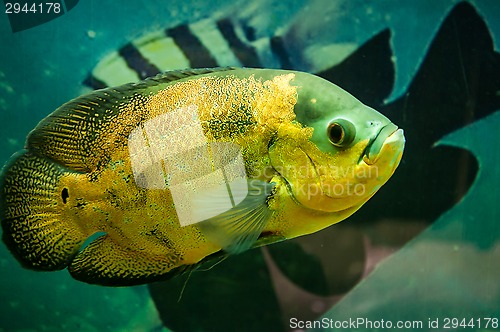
(206, 43)
(253, 39)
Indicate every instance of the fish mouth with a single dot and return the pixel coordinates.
(372, 150)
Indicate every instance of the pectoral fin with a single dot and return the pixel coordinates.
(237, 229)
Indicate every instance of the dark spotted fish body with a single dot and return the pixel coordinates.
(95, 188)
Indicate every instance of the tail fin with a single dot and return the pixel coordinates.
(29, 205)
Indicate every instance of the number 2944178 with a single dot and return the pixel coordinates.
(33, 8)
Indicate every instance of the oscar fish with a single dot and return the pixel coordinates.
(144, 181)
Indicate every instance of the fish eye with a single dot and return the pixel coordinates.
(341, 133)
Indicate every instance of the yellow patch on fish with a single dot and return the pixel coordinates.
(138, 183)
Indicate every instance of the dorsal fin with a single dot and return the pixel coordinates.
(171, 76)
(161, 78)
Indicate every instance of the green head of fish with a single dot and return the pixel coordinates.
(350, 152)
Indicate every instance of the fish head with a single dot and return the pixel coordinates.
(343, 153)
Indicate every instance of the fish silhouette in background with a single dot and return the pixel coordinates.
(456, 85)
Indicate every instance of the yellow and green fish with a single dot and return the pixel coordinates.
(147, 180)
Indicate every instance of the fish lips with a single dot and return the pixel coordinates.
(389, 135)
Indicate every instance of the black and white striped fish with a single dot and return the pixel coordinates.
(206, 43)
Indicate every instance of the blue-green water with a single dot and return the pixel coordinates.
(432, 232)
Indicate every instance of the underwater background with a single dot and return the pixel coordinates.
(425, 248)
